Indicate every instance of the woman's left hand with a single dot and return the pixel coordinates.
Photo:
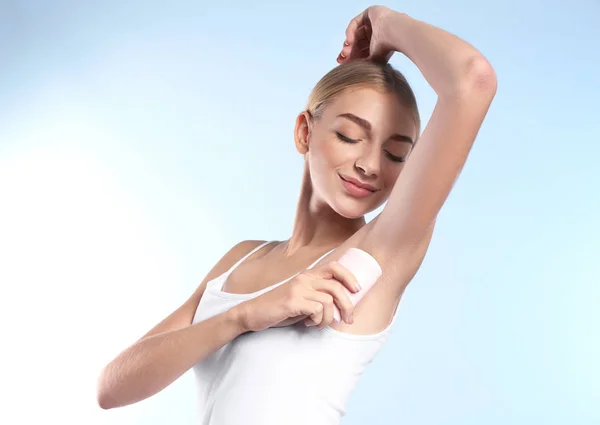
(368, 36)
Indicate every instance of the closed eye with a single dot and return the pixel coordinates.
(395, 158)
(344, 138)
(349, 140)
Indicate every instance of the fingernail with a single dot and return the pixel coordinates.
(346, 43)
(342, 55)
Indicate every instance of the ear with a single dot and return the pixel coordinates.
(302, 132)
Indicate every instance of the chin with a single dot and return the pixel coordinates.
(352, 209)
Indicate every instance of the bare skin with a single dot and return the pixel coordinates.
(328, 215)
(327, 219)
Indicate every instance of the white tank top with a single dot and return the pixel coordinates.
(292, 375)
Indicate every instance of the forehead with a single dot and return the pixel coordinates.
(383, 110)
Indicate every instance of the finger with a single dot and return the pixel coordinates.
(354, 24)
(344, 307)
(360, 50)
(363, 33)
(327, 301)
(316, 317)
(310, 307)
(354, 54)
(335, 270)
(348, 52)
(309, 322)
(363, 38)
(328, 305)
(341, 298)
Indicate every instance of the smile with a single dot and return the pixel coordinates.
(354, 190)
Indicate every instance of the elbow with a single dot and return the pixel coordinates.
(103, 396)
(104, 402)
(479, 77)
(475, 78)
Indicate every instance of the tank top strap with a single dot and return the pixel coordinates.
(321, 257)
(241, 260)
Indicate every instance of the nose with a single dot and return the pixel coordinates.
(369, 163)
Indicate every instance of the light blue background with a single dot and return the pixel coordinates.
(140, 140)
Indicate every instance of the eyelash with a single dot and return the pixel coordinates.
(348, 140)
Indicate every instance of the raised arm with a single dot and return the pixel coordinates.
(465, 83)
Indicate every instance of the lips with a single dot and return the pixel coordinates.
(358, 183)
(353, 189)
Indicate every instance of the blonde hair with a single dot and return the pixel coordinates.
(360, 73)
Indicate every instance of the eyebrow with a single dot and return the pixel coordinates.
(367, 126)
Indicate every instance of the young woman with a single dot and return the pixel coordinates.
(259, 330)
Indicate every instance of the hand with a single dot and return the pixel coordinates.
(368, 35)
(309, 296)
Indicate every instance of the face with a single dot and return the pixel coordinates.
(364, 136)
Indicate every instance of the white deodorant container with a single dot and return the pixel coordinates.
(366, 270)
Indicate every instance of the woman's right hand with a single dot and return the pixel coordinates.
(310, 295)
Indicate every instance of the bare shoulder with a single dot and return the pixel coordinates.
(231, 257)
(184, 315)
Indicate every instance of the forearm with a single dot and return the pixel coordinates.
(155, 362)
(445, 60)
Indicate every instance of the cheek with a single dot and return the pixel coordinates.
(330, 154)
(391, 175)
(325, 158)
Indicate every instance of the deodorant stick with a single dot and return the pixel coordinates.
(366, 270)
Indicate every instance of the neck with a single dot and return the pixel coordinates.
(317, 227)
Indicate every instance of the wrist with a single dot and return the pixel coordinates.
(236, 316)
(397, 26)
